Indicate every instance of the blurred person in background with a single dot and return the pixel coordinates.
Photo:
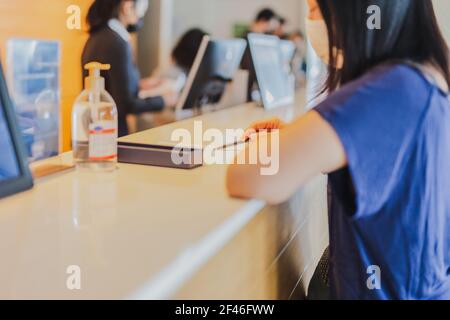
(280, 31)
(299, 63)
(266, 22)
(110, 24)
(173, 78)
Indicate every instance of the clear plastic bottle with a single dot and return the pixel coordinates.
(95, 124)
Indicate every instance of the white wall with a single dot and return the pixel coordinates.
(149, 39)
(218, 16)
(442, 8)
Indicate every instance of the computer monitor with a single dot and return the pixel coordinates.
(14, 172)
(288, 50)
(214, 67)
(273, 80)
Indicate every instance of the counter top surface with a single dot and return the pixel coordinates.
(139, 232)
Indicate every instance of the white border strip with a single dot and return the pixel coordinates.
(165, 285)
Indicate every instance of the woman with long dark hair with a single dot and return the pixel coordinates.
(111, 22)
(174, 76)
(186, 49)
(383, 135)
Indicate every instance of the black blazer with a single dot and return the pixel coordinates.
(122, 81)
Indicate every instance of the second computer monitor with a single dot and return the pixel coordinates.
(274, 82)
(214, 67)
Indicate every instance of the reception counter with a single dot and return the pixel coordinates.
(157, 233)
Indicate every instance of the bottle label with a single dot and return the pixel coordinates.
(102, 141)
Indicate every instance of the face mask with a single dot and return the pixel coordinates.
(318, 36)
(133, 28)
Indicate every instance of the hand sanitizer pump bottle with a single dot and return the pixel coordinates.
(94, 124)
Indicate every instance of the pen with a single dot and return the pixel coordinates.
(234, 144)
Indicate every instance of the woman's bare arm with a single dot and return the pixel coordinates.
(308, 147)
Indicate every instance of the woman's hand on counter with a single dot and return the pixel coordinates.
(306, 148)
(149, 83)
(265, 125)
(170, 98)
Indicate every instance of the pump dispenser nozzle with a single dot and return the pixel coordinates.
(94, 81)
